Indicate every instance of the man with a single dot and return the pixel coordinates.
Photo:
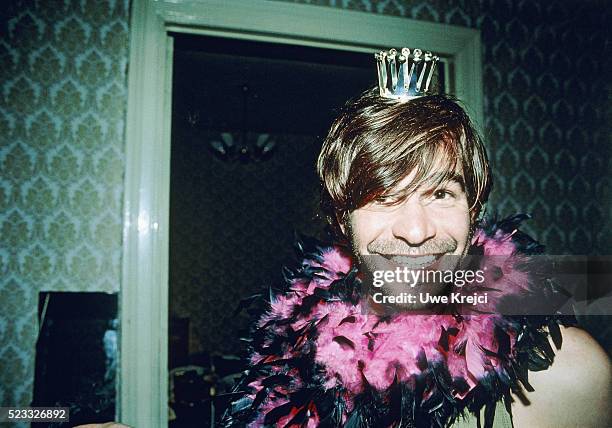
(407, 181)
(427, 180)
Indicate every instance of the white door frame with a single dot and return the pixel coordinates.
(143, 375)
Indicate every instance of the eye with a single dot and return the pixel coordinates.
(442, 194)
(387, 199)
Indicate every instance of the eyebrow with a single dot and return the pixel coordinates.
(439, 178)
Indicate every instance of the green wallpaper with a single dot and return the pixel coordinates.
(62, 109)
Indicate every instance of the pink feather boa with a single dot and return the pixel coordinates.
(318, 356)
(398, 343)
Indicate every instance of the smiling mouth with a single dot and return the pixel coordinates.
(413, 262)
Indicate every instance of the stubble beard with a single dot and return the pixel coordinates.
(444, 247)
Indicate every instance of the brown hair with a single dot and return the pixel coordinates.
(376, 142)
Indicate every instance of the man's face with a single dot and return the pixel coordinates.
(431, 222)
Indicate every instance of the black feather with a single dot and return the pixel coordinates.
(278, 412)
(344, 342)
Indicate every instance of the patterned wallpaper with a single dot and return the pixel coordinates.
(62, 108)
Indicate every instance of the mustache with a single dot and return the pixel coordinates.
(400, 247)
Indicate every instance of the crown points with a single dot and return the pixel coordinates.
(405, 76)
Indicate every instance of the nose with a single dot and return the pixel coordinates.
(413, 223)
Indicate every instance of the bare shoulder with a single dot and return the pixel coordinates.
(574, 392)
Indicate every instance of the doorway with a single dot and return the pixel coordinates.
(248, 121)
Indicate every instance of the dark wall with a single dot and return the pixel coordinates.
(232, 230)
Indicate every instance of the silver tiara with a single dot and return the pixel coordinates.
(405, 75)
